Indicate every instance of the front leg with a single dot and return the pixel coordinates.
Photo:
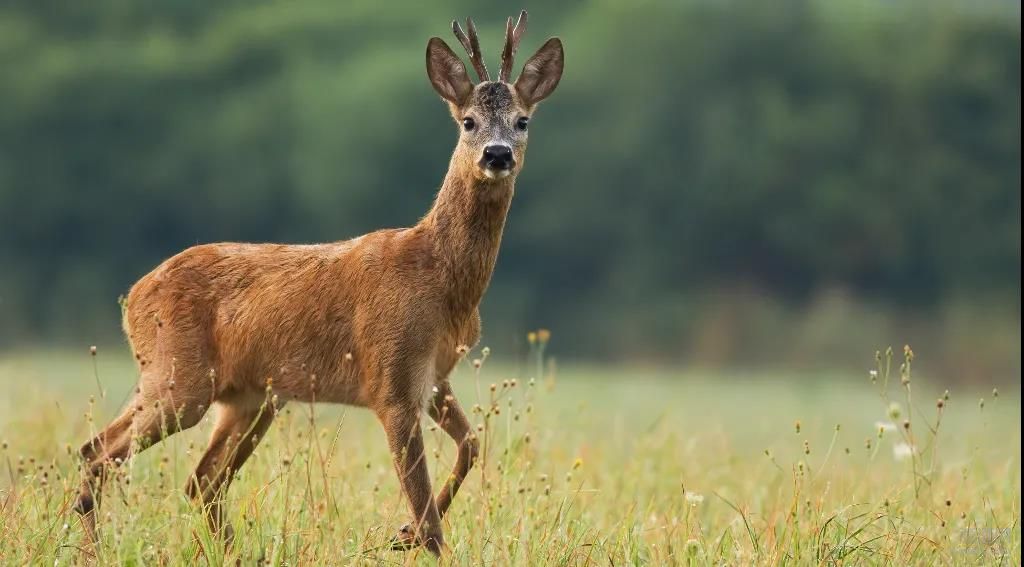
(402, 425)
(445, 410)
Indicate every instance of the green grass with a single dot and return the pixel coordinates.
(587, 466)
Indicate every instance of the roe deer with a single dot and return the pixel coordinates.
(377, 321)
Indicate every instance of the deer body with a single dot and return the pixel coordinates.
(337, 315)
(378, 321)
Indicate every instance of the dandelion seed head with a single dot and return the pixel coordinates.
(895, 411)
(903, 451)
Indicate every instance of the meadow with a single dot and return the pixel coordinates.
(581, 466)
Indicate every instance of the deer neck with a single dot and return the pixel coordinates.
(466, 223)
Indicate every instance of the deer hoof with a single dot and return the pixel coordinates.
(405, 539)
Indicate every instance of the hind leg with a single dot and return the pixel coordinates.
(156, 412)
(241, 424)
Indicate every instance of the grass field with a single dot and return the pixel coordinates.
(581, 466)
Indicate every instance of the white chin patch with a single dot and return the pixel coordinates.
(496, 174)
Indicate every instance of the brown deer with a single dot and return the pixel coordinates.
(378, 321)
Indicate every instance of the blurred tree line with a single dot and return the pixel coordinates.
(696, 154)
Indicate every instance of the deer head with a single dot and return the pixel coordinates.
(493, 116)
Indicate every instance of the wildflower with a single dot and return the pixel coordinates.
(693, 498)
(873, 374)
(692, 546)
(531, 337)
(940, 403)
(543, 335)
(577, 463)
(995, 392)
(903, 451)
(895, 411)
(92, 350)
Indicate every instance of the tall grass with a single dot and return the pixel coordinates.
(579, 466)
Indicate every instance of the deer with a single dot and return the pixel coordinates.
(378, 322)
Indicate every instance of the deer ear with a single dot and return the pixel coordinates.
(541, 73)
(447, 72)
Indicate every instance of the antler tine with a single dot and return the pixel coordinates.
(472, 45)
(512, 37)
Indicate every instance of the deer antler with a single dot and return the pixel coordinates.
(512, 37)
(472, 45)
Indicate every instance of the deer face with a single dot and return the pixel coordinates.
(493, 116)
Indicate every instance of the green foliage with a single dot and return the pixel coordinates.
(873, 146)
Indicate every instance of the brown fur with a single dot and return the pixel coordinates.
(375, 322)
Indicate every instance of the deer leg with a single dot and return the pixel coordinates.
(405, 440)
(99, 454)
(239, 428)
(146, 420)
(445, 410)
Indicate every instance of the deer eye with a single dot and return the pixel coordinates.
(522, 123)
(468, 123)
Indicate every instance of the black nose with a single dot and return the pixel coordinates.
(497, 157)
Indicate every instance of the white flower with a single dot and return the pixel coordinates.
(881, 426)
(692, 498)
(903, 451)
(873, 374)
